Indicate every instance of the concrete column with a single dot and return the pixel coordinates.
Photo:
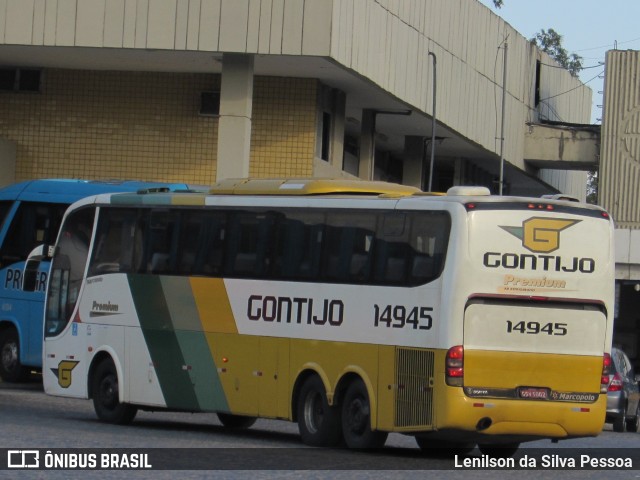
(7, 162)
(458, 172)
(337, 134)
(367, 144)
(412, 162)
(234, 125)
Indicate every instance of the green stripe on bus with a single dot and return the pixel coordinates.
(164, 347)
(193, 343)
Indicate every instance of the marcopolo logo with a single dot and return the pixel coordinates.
(540, 235)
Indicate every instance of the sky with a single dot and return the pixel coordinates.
(588, 27)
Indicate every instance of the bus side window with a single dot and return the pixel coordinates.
(117, 247)
(201, 243)
(248, 247)
(391, 250)
(161, 242)
(298, 246)
(348, 247)
(428, 240)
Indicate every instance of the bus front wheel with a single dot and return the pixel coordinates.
(11, 370)
(318, 422)
(235, 421)
(356, 419)
(106, 400)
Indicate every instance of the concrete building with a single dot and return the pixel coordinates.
(619, 188)
(200, 90)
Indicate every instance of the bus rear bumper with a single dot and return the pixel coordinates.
(544, 419)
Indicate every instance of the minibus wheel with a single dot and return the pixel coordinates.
(236, 421)
(11, 370)
(105, 390)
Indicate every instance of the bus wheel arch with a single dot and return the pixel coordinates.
(318, 421)
(11, 370)
(104, 390)
(302, 377)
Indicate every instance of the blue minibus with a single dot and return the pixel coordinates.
(30, 215)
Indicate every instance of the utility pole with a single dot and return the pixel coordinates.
(504, 98)
(433, 125)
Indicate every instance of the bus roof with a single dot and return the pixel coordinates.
(309, 186)
(63, 190)
(472, 198)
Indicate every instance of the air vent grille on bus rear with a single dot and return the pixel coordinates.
(414, 387)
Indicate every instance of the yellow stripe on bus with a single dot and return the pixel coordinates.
(213, 305)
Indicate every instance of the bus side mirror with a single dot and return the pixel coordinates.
(30, 273)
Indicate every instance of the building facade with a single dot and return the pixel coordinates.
(619, 188)
(200, 90)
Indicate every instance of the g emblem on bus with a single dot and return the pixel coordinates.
(63, 372)
(539, 234)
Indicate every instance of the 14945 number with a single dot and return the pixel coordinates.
(536, 328)
(399, 316)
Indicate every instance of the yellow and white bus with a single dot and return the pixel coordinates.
(352, 308)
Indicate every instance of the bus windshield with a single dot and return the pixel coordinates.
(67, 270)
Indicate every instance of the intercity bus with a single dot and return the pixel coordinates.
(352, 308)
(30, 215)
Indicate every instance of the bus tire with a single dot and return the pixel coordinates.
(236, 421)
(11, 370)
(500, 450)
(356, 418)
(105, 391)
(318, 422)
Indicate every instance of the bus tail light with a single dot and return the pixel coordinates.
(616, 383)
(606, 369)
(454, 366)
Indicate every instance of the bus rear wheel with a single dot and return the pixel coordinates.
(318, 422)
(356, 419)
(106, 392)
(11, 370)
(444, 447)
(235, 421)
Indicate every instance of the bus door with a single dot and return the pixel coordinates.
(64, 352)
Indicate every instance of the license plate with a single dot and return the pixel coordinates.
(533, 393)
